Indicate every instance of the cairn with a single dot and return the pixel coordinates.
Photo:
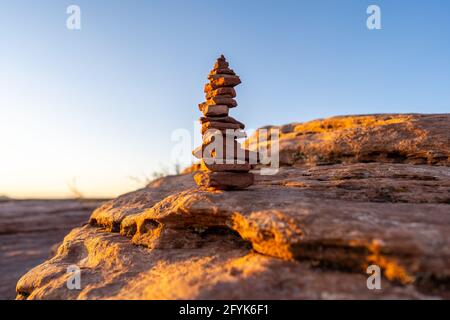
(225, 165)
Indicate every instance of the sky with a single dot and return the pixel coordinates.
(97, 107)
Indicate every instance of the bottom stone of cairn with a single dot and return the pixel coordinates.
(224, 180)
(206, 165)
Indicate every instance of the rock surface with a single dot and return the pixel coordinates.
(309, 231)
(394, 138)
(29, 230)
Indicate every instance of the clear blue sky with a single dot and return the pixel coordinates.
(100, 104)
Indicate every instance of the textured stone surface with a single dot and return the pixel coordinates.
(222, 126)
(214, 111)
(226, 91)
(395, 138)
(326, 223)
(210, 165)
(28, 232)
(225, 178)
(223, 268)
(111, 213)
(309, 231)
(218, 100)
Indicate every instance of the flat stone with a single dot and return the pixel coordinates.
(221, 63)
(219, 100)
(208, 165)
(226, 92)
(226, 119)
(225, 81)
(221, 126)
(221, 71)
(248, 156)
(231, 134)
(222, 81)
(214, 110)
(230, 77)
(224, 180)
(230, 102)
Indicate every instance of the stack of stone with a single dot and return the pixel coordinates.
(224, 164)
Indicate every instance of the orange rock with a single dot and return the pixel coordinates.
(389, 138)
(230, 102)
(221, 63)
(224, 180)
(210, 165)
(222, 81)
(220, 92)
(208, 150)
(231, 81)
(226, 119)
(214, 110)
(308, 232)
(231, 134)
(221, 71)
(221, 126)
(226, 92)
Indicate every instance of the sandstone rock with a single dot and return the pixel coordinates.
(216, 76)
(222, 82)
(222, 126)
(216, 71)
(206, 150)
(219, 100)
(394, 138)
(214, 110)
(224, 180)
(211, 165)
(29, 229)
(226, 119)
(210, 135)
(230, 102)
(225, 92)
(223, 268)
(305, 233)
(221, 63)
(219, 81)
(111, 214)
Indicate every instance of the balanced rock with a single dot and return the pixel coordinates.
(222, 169)
(221, 63)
